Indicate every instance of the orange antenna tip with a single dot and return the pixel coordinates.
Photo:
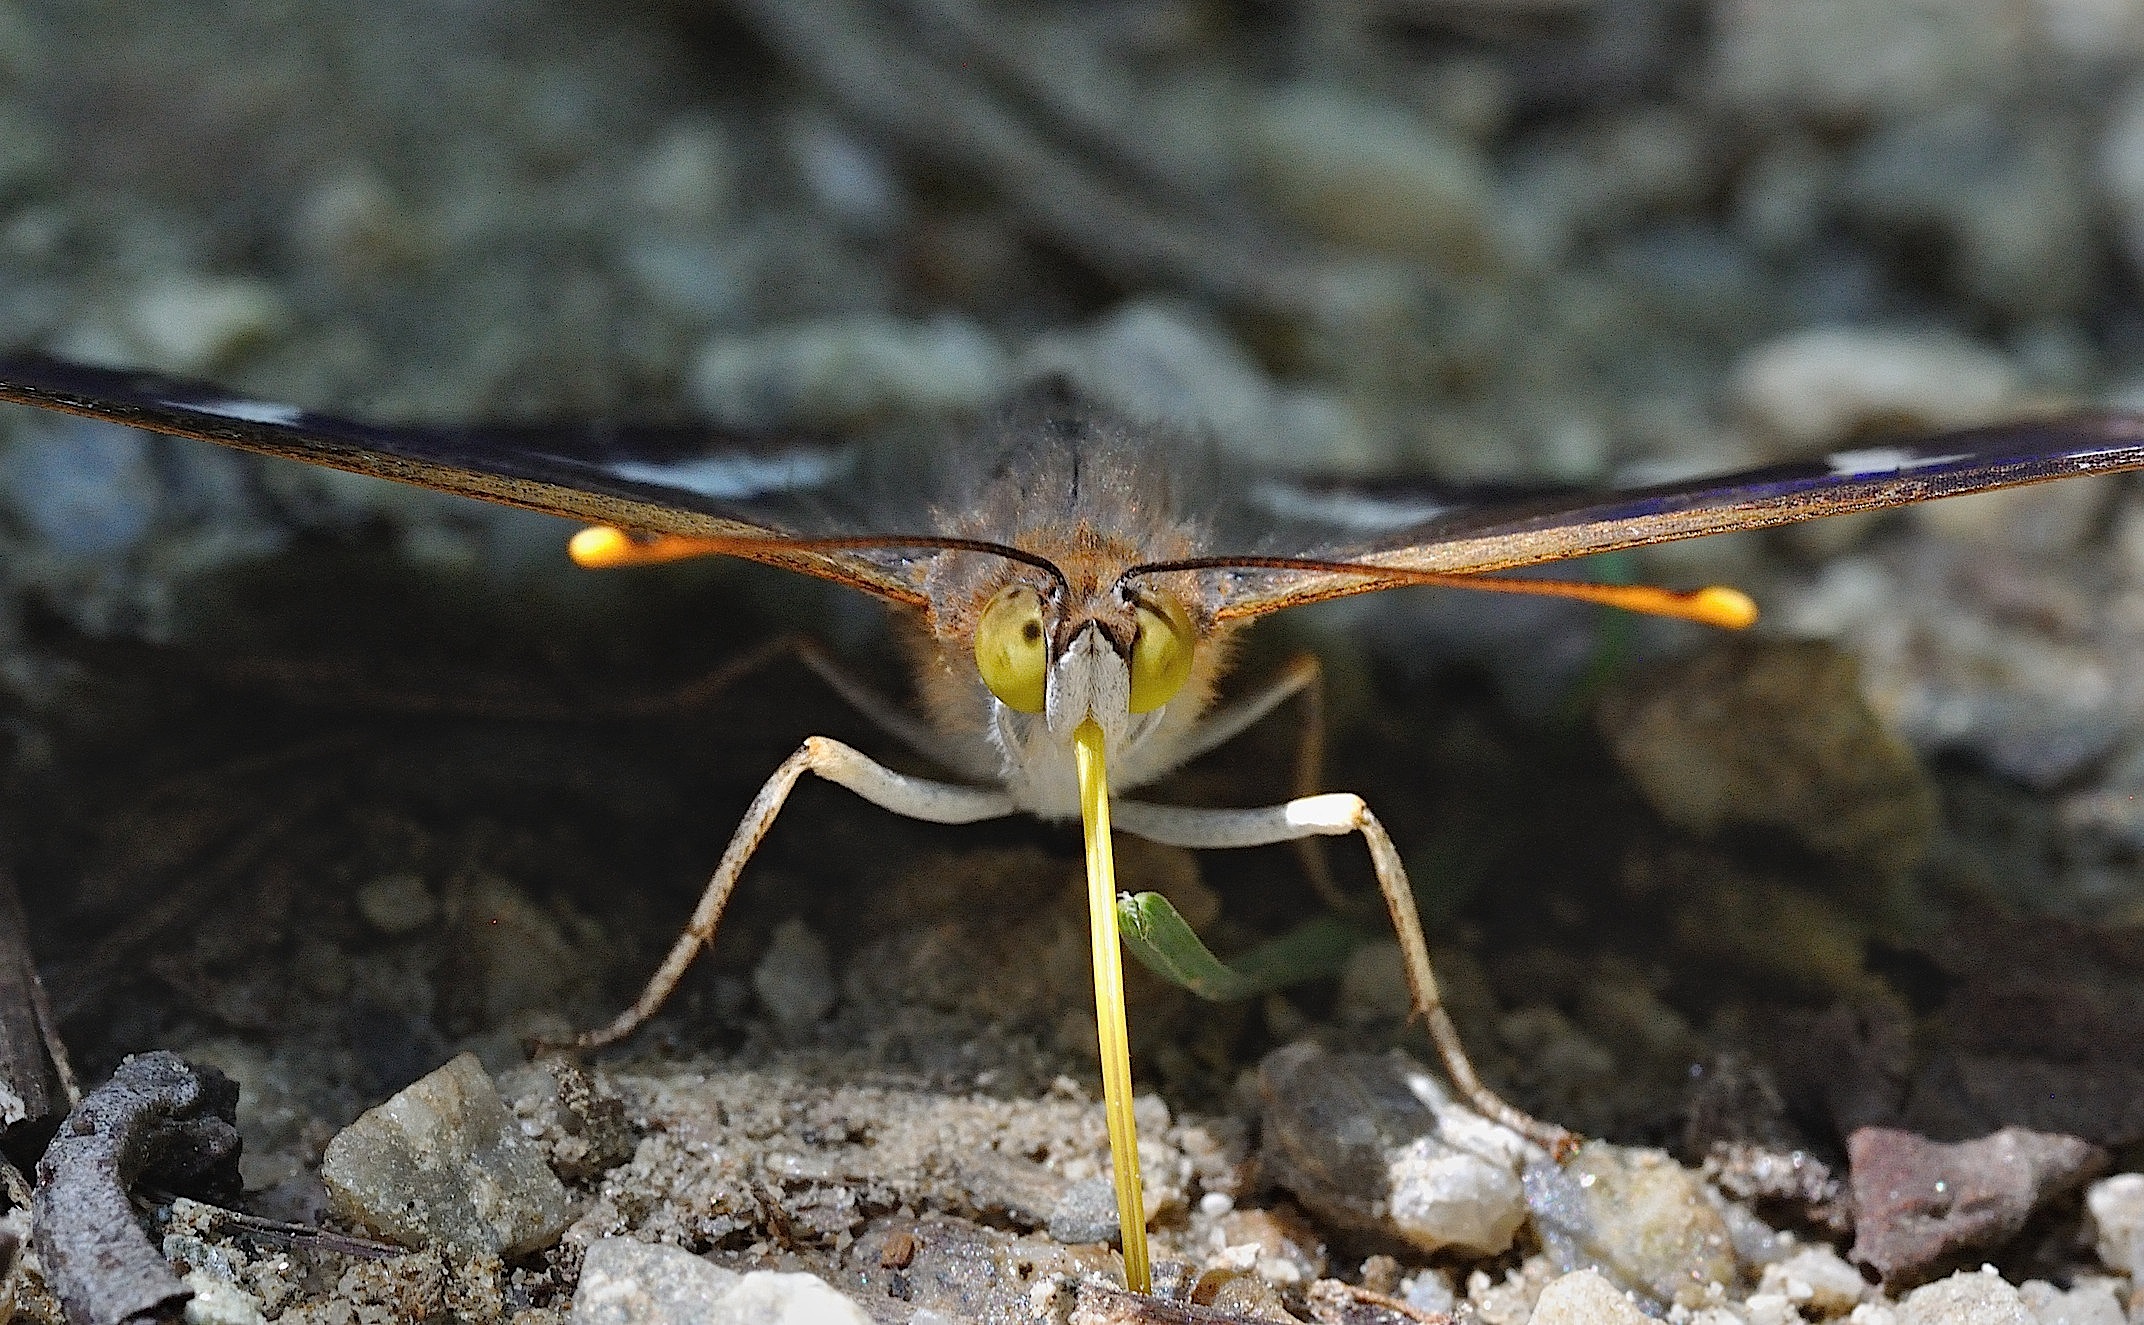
(1714, 605)
(1718, 605)
(600, 546)
(605, 547)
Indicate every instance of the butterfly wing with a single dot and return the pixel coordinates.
(1405, 527)
(694, 481)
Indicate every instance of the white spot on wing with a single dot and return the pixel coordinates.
(735, 477)
(1351, 510)
(1883, 460)
(245, 411)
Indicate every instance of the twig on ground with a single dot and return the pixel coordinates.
(158, 1119)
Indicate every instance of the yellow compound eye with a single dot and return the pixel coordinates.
(1012, 649)
(1161, 654)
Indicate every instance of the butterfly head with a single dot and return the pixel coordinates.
(1117, 658)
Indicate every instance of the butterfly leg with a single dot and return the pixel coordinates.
(914, 798)
(1331, 815)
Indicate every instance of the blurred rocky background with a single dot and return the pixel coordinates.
(321, 781)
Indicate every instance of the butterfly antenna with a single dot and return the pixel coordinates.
(603, 547)
(1713, 605)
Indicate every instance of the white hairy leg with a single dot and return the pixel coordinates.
(1332, 815)
(914, 798)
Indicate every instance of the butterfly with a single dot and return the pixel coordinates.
(1070, 582)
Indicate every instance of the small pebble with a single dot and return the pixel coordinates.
(628, 1282)
(1086, 1211)
(1358, 1145)
(443, 1164)
(766, 1297)
(2116, 1205)
(795, 978)
(2089, 1303)
(1972, 1297)
(220, 1302)
(1817, 1280)
(1921, 1205)
(1585, 1297)
(1637, 1216)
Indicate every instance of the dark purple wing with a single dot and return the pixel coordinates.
(695, 481)
(1400, 526)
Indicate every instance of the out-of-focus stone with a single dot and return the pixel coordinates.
(2121, 169)
(1373, 174)
(397, 904)
(1169, 362)
(1585, 1297)
(196, 324)
(2005, 197)
(1374, 1144)
(1847, 59)
(1812, 389)
(2117, 1208)
(443, 1164)
(1978, 1297)
(795, 977)
(1921, 1206)
(1817, 1281)
(1635, 1215)
(846, 372)
(2039, 519)
(1774, 734)
(510, 952)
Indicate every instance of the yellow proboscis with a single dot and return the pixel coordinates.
(1109, 1003)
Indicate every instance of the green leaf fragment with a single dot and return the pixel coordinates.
(1165, 945)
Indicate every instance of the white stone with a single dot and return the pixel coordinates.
(766, 1297)
(1445, 1197)
(1816, 1280)
(220, 1302)
(1585, 1297)
(1770, 1309)
(1967, 1298)
(2089, 1303)
(626, 1282)
(1816, 388)
(2116, 1205)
